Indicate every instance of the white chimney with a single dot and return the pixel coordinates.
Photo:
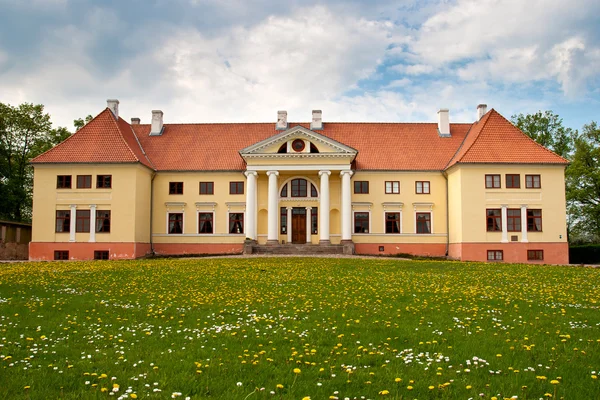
(281, 124)
(113, 105)
(444, 122)
(317, 120)
(481, 110)
(157, 123)
(135, 121)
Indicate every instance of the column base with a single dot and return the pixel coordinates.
(272, 242)
(324, 241)
(348, 247)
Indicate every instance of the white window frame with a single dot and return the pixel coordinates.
(423, 187)
(214, 229)
(354, 219)
(392, 187)
(243, 226)
(384, 221)
(182, 222)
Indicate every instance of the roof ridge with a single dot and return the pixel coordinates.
(139, 144)
(115, 119)
(453, 160)
(307, 123)
(69, 138)
(530, 138)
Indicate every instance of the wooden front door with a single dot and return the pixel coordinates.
(298, 225)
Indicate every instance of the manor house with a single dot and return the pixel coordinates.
(480, 190)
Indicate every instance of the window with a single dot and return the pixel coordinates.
(175, 223)
(422, 187)
(423, 222)
(392, 222)
(492, 181)
(63, 182)
(101, 255)
(534, 220)
(313, 191)
(299, 188)
(82, 221)
(61, 254)
(493, 219)
(102, 221)
(314, 220)
(84, 181)
(104, 181)
(236, 223)
(298, 145)
(361, 187)
(361, 222)
(283, 220)
(392, 187)
(495, 255)
(533, 181)
(205, 222)
(207, 188)
(236, 187)
(63, 221)
(284, 191)
(535, 254)
(513, 181)
(175, 187)
(513, 220)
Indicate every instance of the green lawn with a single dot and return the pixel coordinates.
(288, 328)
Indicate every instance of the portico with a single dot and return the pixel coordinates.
(308, 185)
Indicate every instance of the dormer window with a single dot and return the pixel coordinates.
(298, 145)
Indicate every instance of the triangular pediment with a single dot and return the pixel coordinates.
(273, 146)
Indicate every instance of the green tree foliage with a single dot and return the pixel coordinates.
(80, 122)
(25, 132)
(583, 183)
(547, 129)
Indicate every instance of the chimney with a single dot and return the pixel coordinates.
(157, 123)
(317, 120)
(444, 122)
(113, 105)
(481, 110)
(281, 124)
(135, 121)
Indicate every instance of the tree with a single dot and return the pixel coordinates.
(25, 132)
(547, 129)
(583, 183)
(80, 122)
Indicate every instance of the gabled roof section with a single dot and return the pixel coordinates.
(102, 140)
(495, 140)
(330, 145)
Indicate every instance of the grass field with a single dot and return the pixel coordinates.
(289, 328)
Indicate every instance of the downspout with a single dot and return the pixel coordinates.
(445, 175)
(151, 209)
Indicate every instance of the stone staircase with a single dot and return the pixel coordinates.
(302, 249)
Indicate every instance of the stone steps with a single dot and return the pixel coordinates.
(298, 249)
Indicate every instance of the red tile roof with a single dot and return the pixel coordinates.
(495, 140)
(102, 140)
(381, 146)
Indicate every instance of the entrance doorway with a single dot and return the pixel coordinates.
(298, 225)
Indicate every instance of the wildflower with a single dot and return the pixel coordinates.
(431, 387)
(133, 396)
(594, 376)
(279, 386)
(469, 387)
(306, 398)
(27, 387)
(541, 377)
(297, 370)
(398, 380)
(239, 383)
(384, 392)
(554, 382)
(409, 387)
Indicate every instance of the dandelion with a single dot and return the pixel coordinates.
(279, 386)
(297, 371)
(468, 387)
(409, 387)
(431, 387)
(133, 396)
(398, 380)
(554, 382)
(384, 392)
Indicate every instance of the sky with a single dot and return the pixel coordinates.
(242, 60)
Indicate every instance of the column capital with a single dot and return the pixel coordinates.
(269, 173)
(92, 206)
(523, 205)
(321, 173)
(73, 205)
(248, 173)
(308, 208)
(350, 173)
(504, 206)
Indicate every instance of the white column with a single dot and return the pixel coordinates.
(92, 223)
(346, 206)
(272, 236)
(324, 207)
(504, 225)
(73, 215)
(524, 238)
(308, 224)
(289, 224)
(251, 204)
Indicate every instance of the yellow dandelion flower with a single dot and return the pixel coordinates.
(554, 382)
(469, 387)
(398, 380)
(279, 386)
(297, 370)
(133, 396)
(384, 392)
(409, 387)
(431, 387)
